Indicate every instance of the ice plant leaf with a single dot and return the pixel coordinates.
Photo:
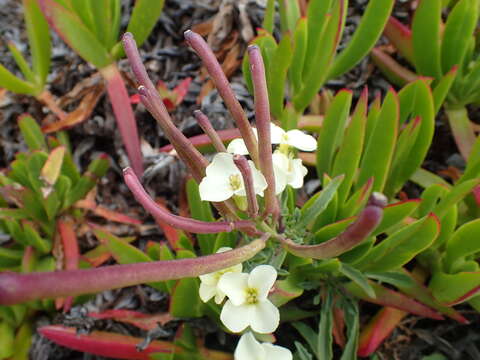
(17, 288)
(400, 36)
(366, 35)
(31, 133)
(51, 169)
(463, 243)
(14, 84)
(442, 88)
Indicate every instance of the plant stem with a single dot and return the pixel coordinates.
(47, 98)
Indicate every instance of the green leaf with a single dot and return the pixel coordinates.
(200, 210)
(102, 17)
(378, 154)
(325, 327)
(459, 29)
(456, 194)
(34, 238)
(350, 310)
(299, 54)
(426, 38)
(332, 131)
(317, 204)
(442, 88)
(462, 244)
(269, 16)
(359, 278)
(289, 14)
(10, 257)
(31, 133)
(308, 334)
(366, 35)
(21, 62)
(348, 156)
(372, 117)
(38, 39)
(400, 247)
(14, 84)
(7, 340)
(142, 21)
(185, 301)
(455, 288)
(76, 34)
(277, 78)
(393, 215)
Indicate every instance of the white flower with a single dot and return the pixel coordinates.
(208, 286)
(287, 171)
(223, 179)
(247, 303)
(249, 348)
(294, 138)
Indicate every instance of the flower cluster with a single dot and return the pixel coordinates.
(223, 179)
(247, 306)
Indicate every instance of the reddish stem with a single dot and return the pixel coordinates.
(208, 129)
(242, 165)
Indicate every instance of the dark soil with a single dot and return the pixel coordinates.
(167, 58)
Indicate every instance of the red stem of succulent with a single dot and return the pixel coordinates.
(208, 129)
(202, 49)
(18, 288)
(179, 222)
(242, 165)
(359, 230)
(262, 117)
(124, 116)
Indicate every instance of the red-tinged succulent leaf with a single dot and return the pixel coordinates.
(178, 94)
(138, 319)
(106, 213)
(106, 344)
(71, 252)
(378, 329)
(387, 297)
(203, 142)
(476, 195)
(454, 289)
(80, 114)
(101, 254)
(395, 72)
(172, 234)
(462, 130)
(401, 37)
(126, 122)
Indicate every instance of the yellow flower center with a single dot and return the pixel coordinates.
(235, 181)
(252, 296)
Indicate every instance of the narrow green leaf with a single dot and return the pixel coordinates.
(359, 278)
(442, 88)
(281, 60)
(38, 39)
(312, 209)
(372, 118)
(455, 288)
(352, 320)
(426, 38)
(459, 29)
(21, 62)
(269, 16)
(185, 301)
(325, 339)
(299, 54)
(31, 133)
(366, 35)
(332, 131)
(463, 243)
(7, 340)
(307, 333)
(456, 194)
(289, 14)
(395, 214)
(14, 84)
(102, 21)
(378, 154)
(76, 34)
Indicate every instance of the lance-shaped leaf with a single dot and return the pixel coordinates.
(366, 35)
(358, 231)
(458, 32)
(179, 222)
(378, 329)
(462, 129)
(463, 243)
(106, 344)
(16, 288)
(14, 84)
(299, 52)
(402, 246)
(401, 37)
(426, 38)
(378, 153)
(442, 88)
(332, 131)
(31, 133)
(454, 289)
(388, 297)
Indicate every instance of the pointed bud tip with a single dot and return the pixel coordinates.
(378, 199)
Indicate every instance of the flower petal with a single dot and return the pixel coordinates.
(297, 173)
(264, 318)
(238, 147)
(207, 292)
(259, 182)
(262, 278)
(276, 352)
(277, 134)
(219, 296)
(214, 188)
(248, 348)
(301, 141)
(234, 285)
(209, 279)
(236, 318)
(280, 171)
(222, 165)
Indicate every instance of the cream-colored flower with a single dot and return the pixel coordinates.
(223, 179)
(249, 348)
(247, 303)
(287, 171)
(209, 282)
